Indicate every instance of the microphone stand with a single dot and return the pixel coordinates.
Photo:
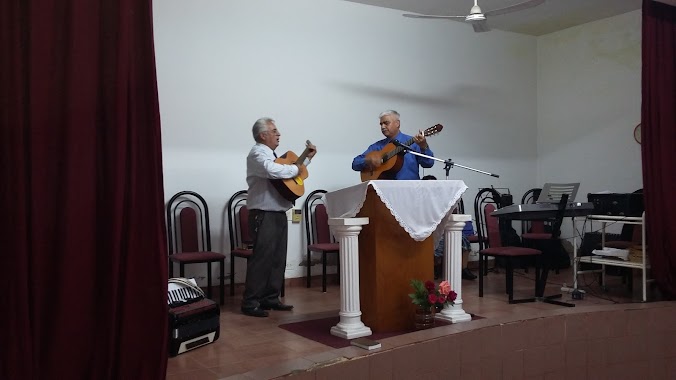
(448, 164)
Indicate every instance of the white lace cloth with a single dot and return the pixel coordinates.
(420, 207)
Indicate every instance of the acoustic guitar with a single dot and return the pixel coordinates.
(293, 188)
(390, 159)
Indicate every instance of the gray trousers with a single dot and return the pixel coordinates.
(266, 266)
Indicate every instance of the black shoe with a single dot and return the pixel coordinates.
(255, 312)
(276, 306)
(468, 275)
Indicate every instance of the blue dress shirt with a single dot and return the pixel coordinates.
(409, 169)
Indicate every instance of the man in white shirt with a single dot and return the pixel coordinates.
(267, 221)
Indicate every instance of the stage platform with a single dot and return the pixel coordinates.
(606, 333)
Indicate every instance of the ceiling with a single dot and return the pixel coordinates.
(549, 17)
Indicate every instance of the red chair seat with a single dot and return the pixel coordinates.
(242, 252)
(324, 247)
(474, 239)
(510, 251)
(536, 235)
(196, 257)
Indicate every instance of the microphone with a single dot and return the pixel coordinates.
(401, 145)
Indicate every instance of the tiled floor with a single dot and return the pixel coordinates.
(247, 344)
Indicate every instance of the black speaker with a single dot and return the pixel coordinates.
(630, 204)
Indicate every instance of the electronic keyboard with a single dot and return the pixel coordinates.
(543, 211)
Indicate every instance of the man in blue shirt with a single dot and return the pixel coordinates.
(389, 126)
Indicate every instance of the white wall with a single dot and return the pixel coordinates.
(325, 69)
(589, 101)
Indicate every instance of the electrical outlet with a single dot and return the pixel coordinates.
(297, 214)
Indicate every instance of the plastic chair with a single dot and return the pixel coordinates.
(318, 234)
(189, 237)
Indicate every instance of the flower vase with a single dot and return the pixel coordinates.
(424, 317)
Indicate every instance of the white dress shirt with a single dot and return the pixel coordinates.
(260, 168)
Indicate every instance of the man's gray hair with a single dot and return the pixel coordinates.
(389, 112)
(260, 126)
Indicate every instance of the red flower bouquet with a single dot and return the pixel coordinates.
(428, 294)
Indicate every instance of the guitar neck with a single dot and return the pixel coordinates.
(303, 156)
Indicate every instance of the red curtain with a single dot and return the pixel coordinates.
(658, 140)
(83, 249)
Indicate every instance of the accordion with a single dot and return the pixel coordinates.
(193, 320)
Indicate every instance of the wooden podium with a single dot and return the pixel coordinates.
(388, 259)
(381, 254)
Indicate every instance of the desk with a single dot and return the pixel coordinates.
(643, 265)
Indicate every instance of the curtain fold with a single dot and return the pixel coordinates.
(82, 188)
(658, 140)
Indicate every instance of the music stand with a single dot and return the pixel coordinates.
(552, 192)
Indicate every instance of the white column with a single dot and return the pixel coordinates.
(453, 267)
(346, 231)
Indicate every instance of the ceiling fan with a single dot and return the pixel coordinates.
(478, 18)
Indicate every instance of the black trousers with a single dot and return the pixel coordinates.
(266, 267)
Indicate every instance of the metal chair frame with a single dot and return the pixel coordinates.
(239, 245)
(174, 209)
(490, 197)
(313, 200)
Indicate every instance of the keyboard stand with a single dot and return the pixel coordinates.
(541, 281)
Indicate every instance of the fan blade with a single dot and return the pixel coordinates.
(480, 26)
(514, 8)
(412, 15)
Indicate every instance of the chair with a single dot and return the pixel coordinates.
(533, 230)
(635, 231)
(189, 237)
(487, 201)
(241, 243)
(472, 238)
(538, 233)
(318, 234)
